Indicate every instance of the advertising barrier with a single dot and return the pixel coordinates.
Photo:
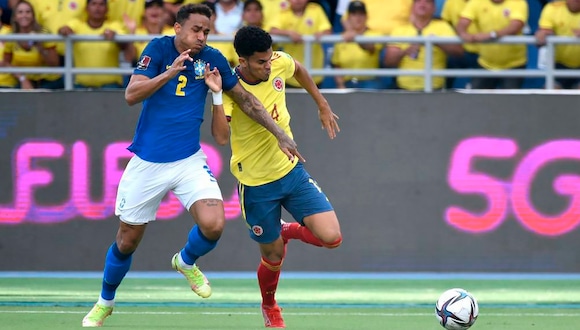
(445, 182)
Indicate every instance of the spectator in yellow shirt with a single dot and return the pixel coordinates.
(126, 11)
(225, 47)
(98, 54)
(412, 56)
(31, 53)
(385, 15)
(272, 10)
(253, 13)
(6, 79)
(303, 18)
(495, 19)
(153, 23)
(562, 18)
(352, 55)
(52, 15)
(451, 13)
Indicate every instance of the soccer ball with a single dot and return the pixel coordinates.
(456, 309)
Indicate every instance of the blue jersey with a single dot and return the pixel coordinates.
(169, 125)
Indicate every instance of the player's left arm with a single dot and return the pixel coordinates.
(327, 117)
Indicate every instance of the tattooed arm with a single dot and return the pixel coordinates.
(252, 107)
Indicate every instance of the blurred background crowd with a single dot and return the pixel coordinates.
(476, 22)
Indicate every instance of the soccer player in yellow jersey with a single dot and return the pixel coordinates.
(302, 18)
(495, 19)
(562, 18)
(268, 181)
(412, 56)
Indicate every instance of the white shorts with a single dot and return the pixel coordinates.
(144, 184)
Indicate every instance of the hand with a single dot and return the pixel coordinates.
(289, 147)
(65, 31)
(413, 49)
(482, 37)
(349, 35)
(109, 34)
(178, 64)
(26, 84)
(213, 79)
(540, 39)
(328, 120)
(295, 37)
(576, 32)
(130, 23)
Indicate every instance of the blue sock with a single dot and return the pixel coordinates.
(117, 265)
(197, 245)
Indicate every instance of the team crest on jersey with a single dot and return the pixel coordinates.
(257, 230)
(143, 63)
(506, 13)
(278, 84)
(73, 5)
(199, 69)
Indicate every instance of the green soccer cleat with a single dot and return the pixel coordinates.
(198, 282)
(97, 316)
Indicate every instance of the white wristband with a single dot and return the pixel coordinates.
(217, 98)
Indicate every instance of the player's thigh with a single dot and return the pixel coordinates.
(324, 225)
(198, 191)
(261, 209)
(303, 196)
(141, 189)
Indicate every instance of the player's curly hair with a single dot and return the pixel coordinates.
(186, 10)
(251, 39)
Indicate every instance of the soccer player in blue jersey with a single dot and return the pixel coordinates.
(170, 80)
(267, 180)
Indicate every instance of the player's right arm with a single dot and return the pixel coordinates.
(141, 87)
(254, 109)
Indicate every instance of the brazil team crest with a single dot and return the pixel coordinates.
(199, 69)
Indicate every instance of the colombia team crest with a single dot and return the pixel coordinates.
(278, 84)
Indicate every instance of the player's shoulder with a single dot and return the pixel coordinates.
(556, 4)
(281, 56)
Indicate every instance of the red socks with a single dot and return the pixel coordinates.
(293, 230)
(268, 275)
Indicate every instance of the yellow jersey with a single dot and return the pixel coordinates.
(436, 27)
(96, 54)
(7, 80)
(52, 15)
(314, 20)
(386, 15)
(350, 55)
(256, 158)
(452, 13)
(29, 58)
(556, 17)
(132, 8)
(490, 16)
(271, 9)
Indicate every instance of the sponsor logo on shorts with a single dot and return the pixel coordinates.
(257, 230)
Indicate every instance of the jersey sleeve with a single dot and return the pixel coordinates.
(229, 79)
(546, 21)
(289, 64)
(520, 11)
(151, 59)
(228, 106)
(470, 10)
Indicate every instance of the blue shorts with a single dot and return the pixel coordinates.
(262, 205)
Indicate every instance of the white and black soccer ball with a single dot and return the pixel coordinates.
(456, 309)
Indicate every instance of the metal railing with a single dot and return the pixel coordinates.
(549, 73)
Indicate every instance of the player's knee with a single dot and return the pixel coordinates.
(212, 230)
(333, 243)
(127, 245)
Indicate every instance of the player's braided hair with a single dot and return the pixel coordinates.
(186, 10)
(251, 39)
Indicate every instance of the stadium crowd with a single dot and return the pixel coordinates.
(477, 22)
